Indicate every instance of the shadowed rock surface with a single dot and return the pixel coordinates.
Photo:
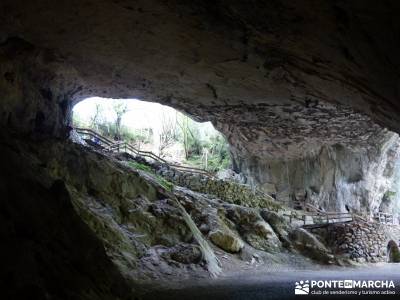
(304, 91)
(278, 78)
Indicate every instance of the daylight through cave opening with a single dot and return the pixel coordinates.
(305, 93)
(155, 128)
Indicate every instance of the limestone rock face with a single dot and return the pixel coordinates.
(393, 252)
(226, 240)
(310, 246)
(253, 228)
(277, 78)
(49, 250)
(282, 80)
(185, 253)
(302, 90)
(335, 178)
(278, 224)
(227, 190)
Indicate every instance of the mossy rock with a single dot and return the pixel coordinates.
(226, 240)
(393, 252)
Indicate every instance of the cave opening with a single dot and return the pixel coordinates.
(305, 94)
(153, 127)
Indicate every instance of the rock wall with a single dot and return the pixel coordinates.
(228, 191)
(335, 178)
(278, 78)
(49, 251)
(359, 241)
(128, 222)
(36, 87)
(282, 108)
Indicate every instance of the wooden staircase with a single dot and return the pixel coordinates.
(124, 147)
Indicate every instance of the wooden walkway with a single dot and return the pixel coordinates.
(124, 147)
(315, 220)
(313, 217)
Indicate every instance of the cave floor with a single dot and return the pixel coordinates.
(277, 284)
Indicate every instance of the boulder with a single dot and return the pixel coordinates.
(263, 237)
(186, 254)
(278, 224)
(253, 228)
(393, 252)
(310, 246)
(226, 240)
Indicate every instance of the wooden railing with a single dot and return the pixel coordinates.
(314, 216)
(91, 133)
(329, 218)
(384, 218)
(122, 146)
(320, 218)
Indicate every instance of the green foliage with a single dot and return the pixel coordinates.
(109, 129)
(161, 180)
(204, 147)
(390, 194)
(138, 166)
(218, 157)
(78, 121)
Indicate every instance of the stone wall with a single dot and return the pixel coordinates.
(359, 241)
(228, 191)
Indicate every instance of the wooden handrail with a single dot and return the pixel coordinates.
(94, 134)
(112, 146)
(384, 218)
(322, 218)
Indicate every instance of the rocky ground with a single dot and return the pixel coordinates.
(139, 218)
(129, 227)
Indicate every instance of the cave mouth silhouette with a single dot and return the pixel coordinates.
(151, 126)
(393, 252)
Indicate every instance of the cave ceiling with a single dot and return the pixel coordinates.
(278, 78)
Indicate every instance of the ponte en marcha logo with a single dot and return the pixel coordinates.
(345, 287)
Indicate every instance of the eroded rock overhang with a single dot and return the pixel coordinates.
(279, 79)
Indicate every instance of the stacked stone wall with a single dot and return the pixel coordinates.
(360, 241)
(228, 191)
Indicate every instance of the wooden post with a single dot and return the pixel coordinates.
(206, 159)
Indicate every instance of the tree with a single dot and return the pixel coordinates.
(120, 108)
(191, 140)
(167, 135)
(96, 119)
(184, 126)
